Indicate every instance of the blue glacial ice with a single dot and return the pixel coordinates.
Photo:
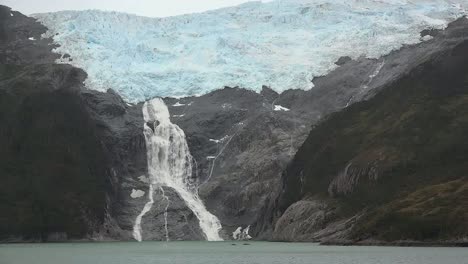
(282, 44)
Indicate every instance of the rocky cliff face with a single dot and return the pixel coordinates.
(53, 185)
(63, 146)
(74, 162)
(390, 168)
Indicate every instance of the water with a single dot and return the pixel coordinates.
(223, 253)
(170, 165)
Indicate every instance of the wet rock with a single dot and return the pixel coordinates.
(343, 60)
(363, 173)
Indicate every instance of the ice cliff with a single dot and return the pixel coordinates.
(282, 44)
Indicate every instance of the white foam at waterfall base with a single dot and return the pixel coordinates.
(170, 165)
(241, 234)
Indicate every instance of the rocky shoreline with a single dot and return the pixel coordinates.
(400, 243)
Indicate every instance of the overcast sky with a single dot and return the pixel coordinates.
(153, 8)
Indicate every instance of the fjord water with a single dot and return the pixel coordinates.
(223, 253)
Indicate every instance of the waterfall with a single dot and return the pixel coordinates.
(146, 208)
(170, 165)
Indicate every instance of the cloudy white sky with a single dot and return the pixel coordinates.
(153, 8)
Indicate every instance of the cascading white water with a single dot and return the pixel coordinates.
(170, 165)
(146, 209)
(165, 212)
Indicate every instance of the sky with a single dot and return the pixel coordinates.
(151, 8)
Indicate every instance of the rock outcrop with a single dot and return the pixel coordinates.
(390, 168)
(64, 148)
(52, 183)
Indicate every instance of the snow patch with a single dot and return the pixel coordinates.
(11, 14)
(281, 44)
(137, 194)
(177, 116)
(178, 104)
(426, 38)
(144, 179)
(31, 38)
(221, 140)
(281, 108)
(210, 157)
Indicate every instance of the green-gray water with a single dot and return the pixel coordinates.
(223, 253)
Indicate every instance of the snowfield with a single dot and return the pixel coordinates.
(282, 44)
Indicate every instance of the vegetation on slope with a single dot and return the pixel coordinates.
(436, 211)
(389, 154)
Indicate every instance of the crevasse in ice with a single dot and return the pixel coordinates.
(282, 44)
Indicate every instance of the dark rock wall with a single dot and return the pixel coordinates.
(390, 168)
(63, 147)
(51, 182)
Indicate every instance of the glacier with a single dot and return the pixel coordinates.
(282, 44)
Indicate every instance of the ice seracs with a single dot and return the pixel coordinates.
(281, 44)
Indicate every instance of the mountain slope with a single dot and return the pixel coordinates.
(77, 157)
(390, 168)
(62, 145)
(50, 181)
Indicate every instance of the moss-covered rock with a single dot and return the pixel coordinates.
(399, 159)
